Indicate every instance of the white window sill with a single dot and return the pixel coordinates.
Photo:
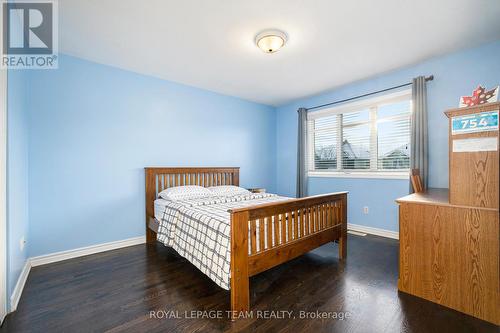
(359, 174)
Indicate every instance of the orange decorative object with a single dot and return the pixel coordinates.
(479, 96)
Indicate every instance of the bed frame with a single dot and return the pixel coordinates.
(318, 219)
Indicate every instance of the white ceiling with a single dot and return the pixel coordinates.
(210, 43)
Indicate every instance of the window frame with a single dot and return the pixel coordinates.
(372, 105)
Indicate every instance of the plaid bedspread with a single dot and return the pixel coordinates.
(199, 230)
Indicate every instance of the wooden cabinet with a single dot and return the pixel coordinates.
(450, 239)
(449, 254)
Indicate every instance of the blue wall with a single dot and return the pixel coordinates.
(93, 129)
(17, 174)
(454, 75)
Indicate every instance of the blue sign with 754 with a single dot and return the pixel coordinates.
(479, 122)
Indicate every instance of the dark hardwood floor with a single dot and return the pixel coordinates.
(116, 290)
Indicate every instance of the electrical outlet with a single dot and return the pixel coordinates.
(365, 209)
(22, 242)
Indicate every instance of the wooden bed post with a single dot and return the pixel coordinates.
(343, 236)
(240, 289)
(150, 198)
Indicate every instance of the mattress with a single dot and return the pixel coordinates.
(160, 205)
(199, 230)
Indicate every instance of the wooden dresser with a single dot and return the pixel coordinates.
(449, 239)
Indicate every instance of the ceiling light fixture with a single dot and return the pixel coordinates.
(271, 41)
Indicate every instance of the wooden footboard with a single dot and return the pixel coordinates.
(267, 235)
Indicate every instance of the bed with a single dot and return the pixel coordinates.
(231, 239)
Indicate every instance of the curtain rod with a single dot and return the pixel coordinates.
(428, 78)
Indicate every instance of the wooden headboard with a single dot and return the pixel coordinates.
(158, 179)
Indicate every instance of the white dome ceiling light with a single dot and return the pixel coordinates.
(270, 41)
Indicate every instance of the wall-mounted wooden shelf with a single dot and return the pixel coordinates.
(473, 174)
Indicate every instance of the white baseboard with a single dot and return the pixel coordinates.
(18, 289)
(373, 231)
(84, 251)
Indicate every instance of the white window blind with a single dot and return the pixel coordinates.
(369, 136)
(356, 140)
(325, 142)
(393, 124)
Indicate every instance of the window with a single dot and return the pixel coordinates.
(368, 138)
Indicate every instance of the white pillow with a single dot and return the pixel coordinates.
(185, 193)
(228, 190)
